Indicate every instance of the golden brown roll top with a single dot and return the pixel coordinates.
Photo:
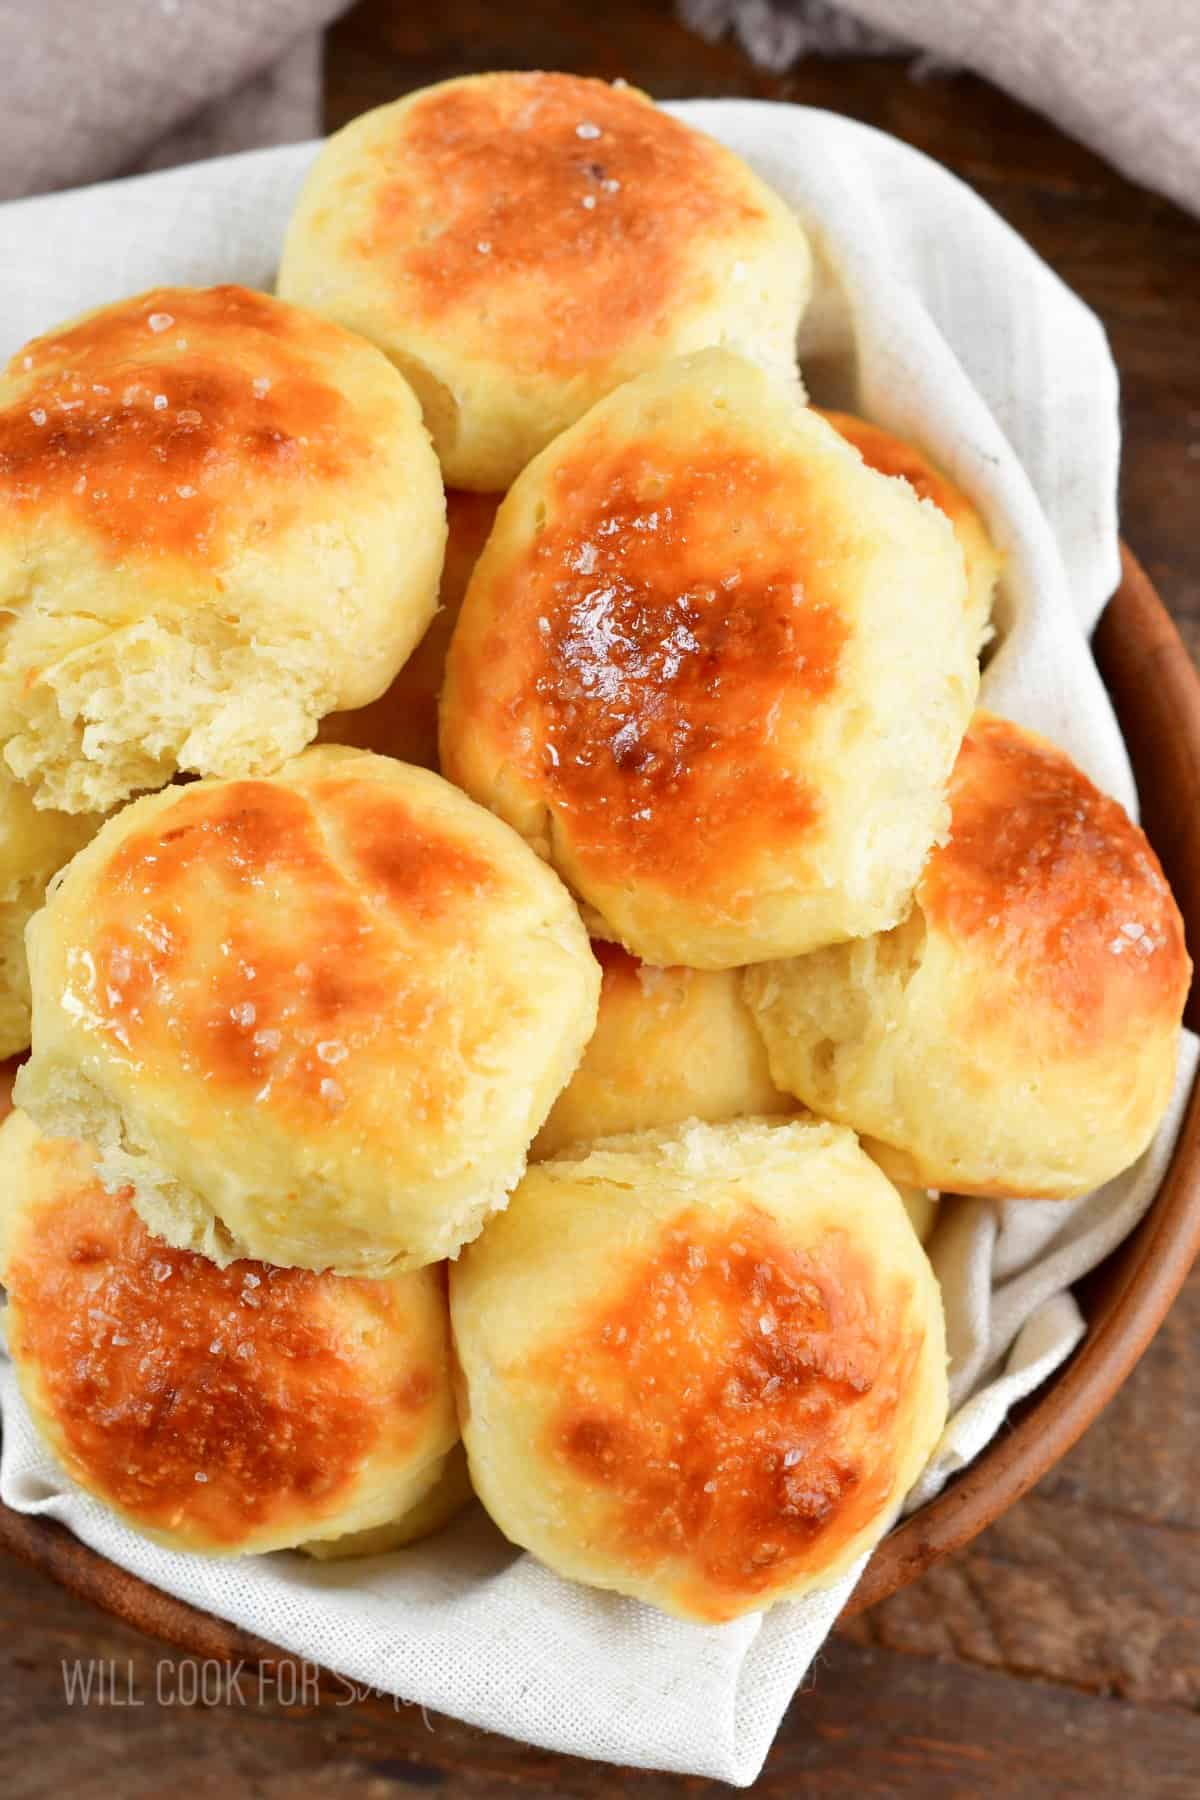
(894, 456)
(1017, 1034)
(222, 1410)
(701, 1367)
(715, 669)
(520, 244)
(404, 722)
(89, 441)
(236, 520)
(316, 1018)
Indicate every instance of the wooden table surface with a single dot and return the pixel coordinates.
(1060, 1654)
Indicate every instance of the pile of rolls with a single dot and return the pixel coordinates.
(513, 908)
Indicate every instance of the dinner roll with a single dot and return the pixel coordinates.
(220, 1410)
(34, 845)
(1017, 1034)
(921, 1204)
(669, 1045)
(450, 1492)
(716, 670)
(893, 456)
(702, 1367)
(404, 722)
(520, 244)
(315, 1018)
(220, 518)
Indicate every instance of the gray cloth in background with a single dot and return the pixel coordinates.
(95, 88)
(281, 105)
(1123, 76)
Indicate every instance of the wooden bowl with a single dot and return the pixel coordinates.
(1156, 692)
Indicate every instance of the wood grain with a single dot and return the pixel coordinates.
(1058, 1654)
(873, 1721)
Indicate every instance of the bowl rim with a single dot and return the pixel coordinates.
(1155, 690)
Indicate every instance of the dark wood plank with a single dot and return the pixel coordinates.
(872, 1722)
(1060, 1653)
(1065, 1588)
